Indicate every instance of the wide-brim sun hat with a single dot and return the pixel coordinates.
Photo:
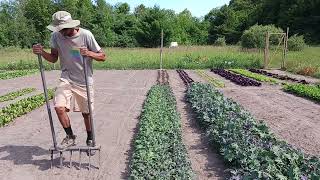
(62, 20)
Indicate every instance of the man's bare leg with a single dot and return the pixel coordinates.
(63, 117)
(86, 118)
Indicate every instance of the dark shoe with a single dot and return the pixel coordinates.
(69, 140)
(90, 144)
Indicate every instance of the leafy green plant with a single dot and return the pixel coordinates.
(17, 73)
(211, 80)
(21, 107)
(296, 43)
(255, 76)
(13, 95)
(221, 41)
(247, 146)
(308, 91)
(158, 149)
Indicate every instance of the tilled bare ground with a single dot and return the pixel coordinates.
(162, 77)
(206, 164)
(291, 118)
(119, 96)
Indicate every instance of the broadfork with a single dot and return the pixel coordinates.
(71, 149)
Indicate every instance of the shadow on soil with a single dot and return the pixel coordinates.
(27, 155)
(24, 155)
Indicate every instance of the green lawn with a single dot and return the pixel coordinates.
(195, 57)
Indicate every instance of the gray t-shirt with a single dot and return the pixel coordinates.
(70, 58)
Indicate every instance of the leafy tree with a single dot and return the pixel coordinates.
(85, 13)
(254, 37)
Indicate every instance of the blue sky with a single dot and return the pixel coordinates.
(198, 8)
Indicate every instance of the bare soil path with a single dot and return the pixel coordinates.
(206, 163)
(119, 96)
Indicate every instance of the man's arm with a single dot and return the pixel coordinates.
(98, 56)
(51, 57)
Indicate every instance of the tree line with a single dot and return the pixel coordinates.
(23, 22)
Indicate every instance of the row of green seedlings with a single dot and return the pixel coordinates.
(18, 73)
(255, 76)
(22, 107)
(308, 91)
(247, 146)
(209, 79)
(16, 94)
(158, 149)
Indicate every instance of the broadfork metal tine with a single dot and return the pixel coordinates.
(70, 158)
(89, 158)
(51, 164)
(61, 163)
(99, 158)
(79, 158)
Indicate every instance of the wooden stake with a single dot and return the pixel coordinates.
(161, 49)
(266, 52)
(285, 49)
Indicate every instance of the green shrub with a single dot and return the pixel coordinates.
(254, 37)
(296, 43)
(221, 41)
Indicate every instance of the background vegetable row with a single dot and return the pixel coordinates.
(236, 78)
(158, 149)
(21, 107)
(246, 145)
(18, 73)
(15, 94)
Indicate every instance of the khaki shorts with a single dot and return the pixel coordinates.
(72, 97)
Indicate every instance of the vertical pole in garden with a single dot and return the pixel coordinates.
(161, 49)
(266, 51)
(285, 49)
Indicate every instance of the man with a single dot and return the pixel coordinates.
(71, 44)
